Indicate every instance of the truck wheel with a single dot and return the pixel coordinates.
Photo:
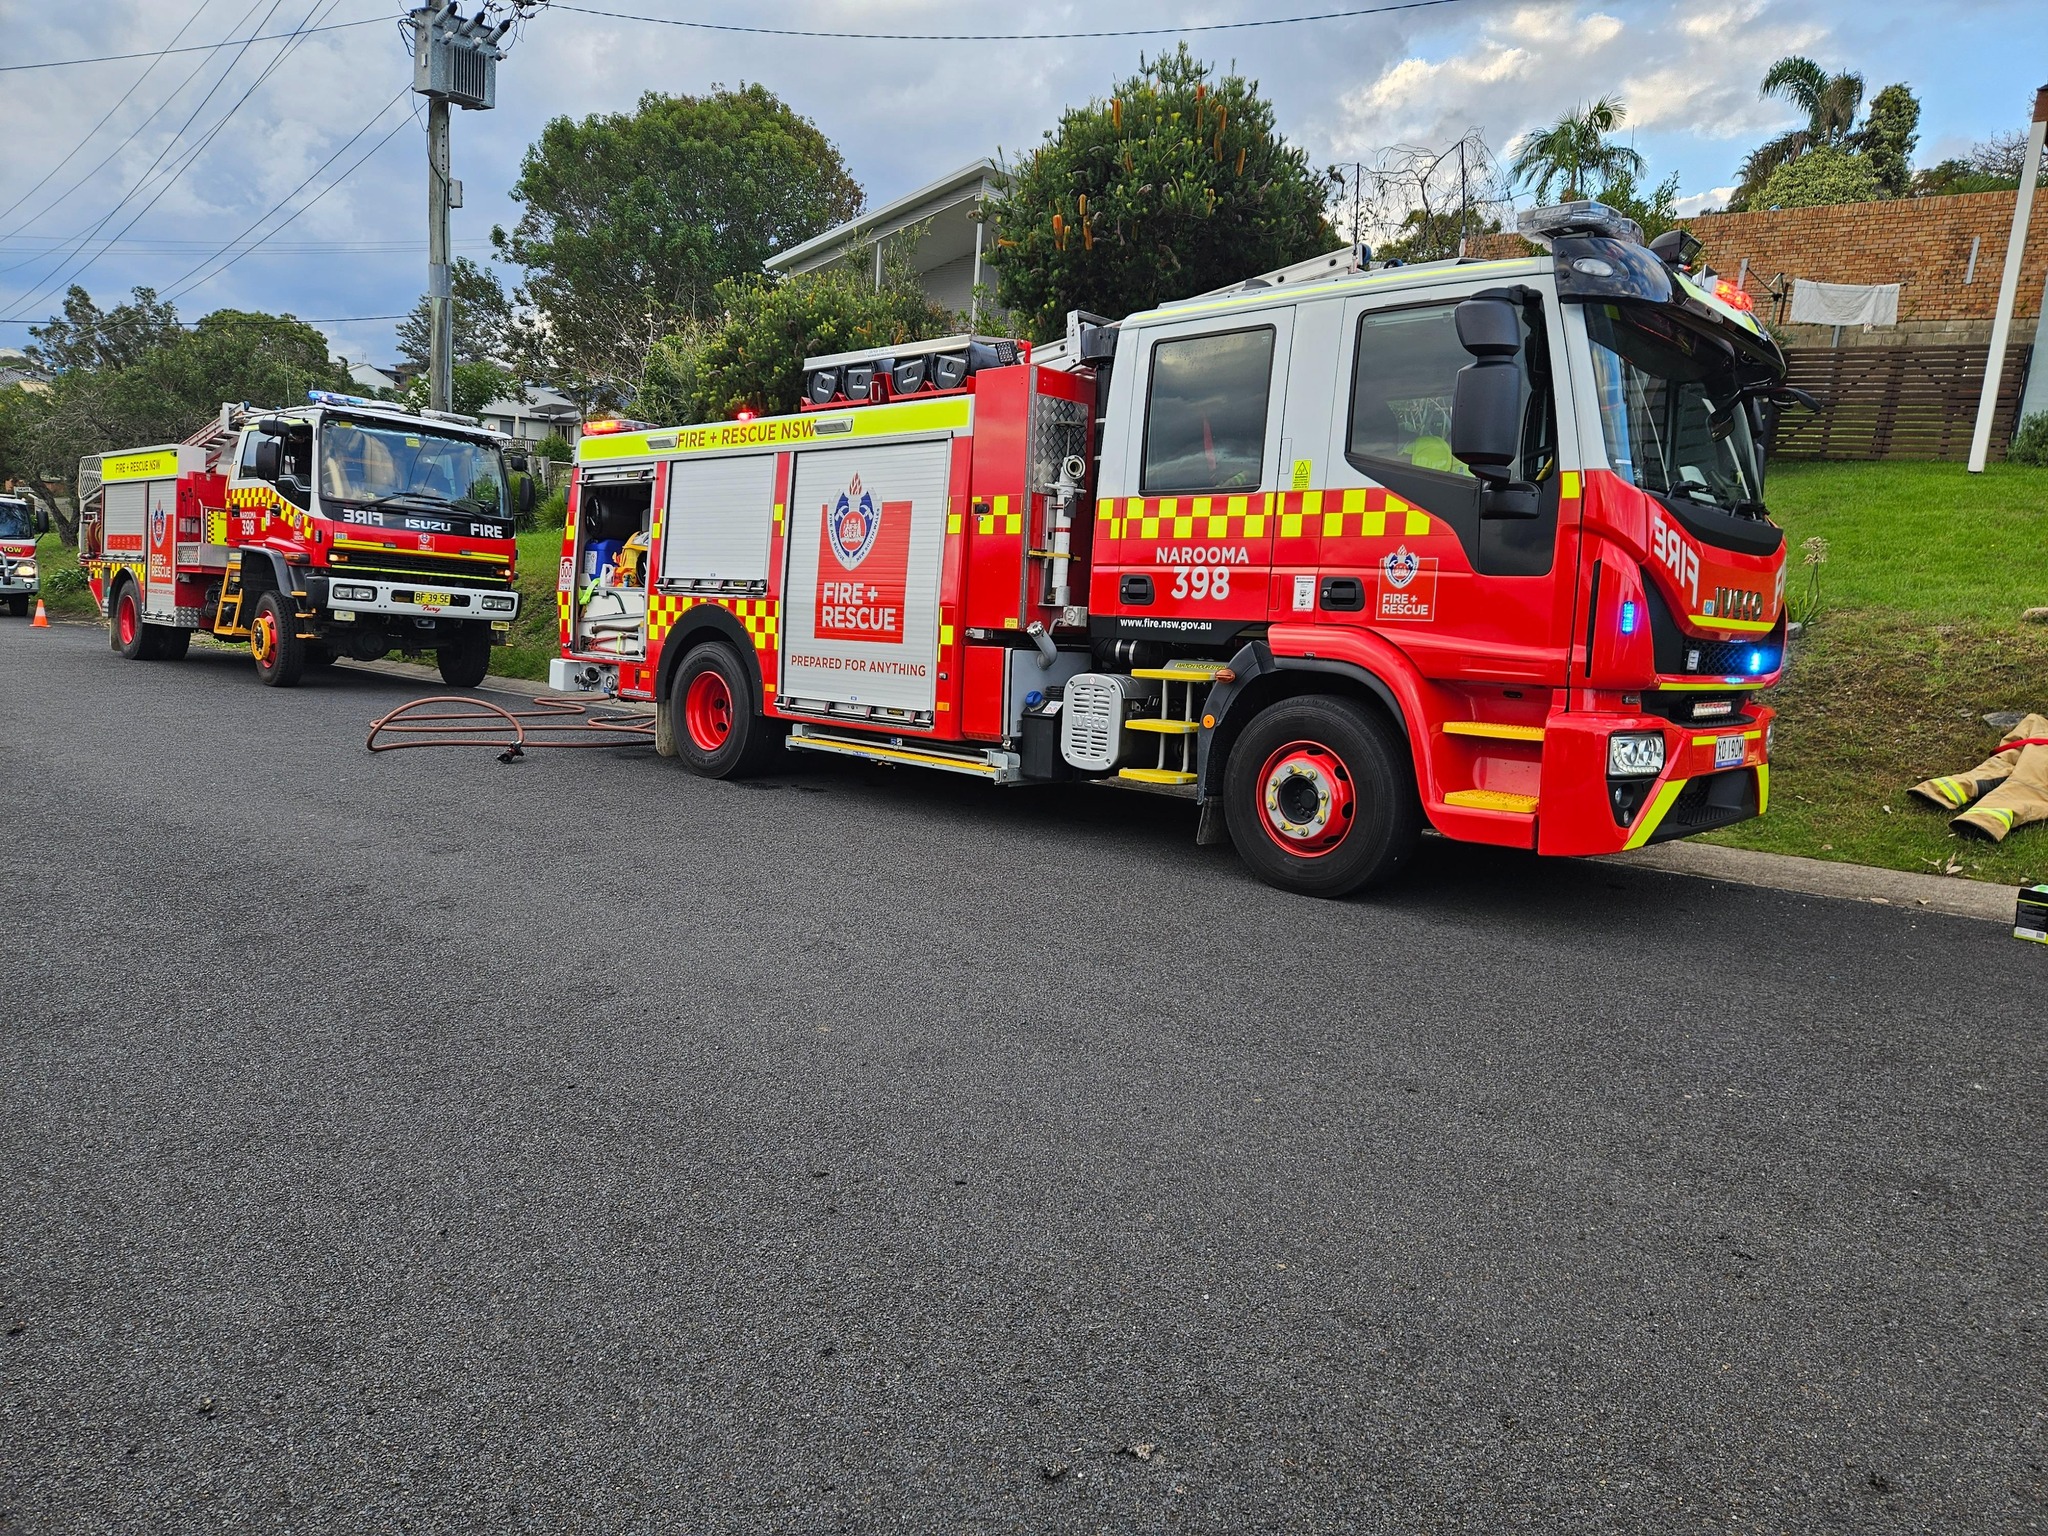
(274, 641)
(318, 657)
(465, 663)
(18, 606)
(719, 734)
(135, 640)
(1320, 797)
(171, 644)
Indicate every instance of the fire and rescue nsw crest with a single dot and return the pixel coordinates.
(870, 541)
(1407, 587)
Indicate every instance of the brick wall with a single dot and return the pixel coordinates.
(1920, 243)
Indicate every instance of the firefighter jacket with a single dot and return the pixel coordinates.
(2010, 787)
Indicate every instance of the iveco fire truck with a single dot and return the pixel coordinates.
(345, 527)
(20, 522)
(1339, 553)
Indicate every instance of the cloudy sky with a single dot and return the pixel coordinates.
(176, 162)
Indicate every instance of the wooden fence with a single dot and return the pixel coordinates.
(1895, 402)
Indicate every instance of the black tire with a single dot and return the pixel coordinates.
(274, 642)
(18, 606)
(171, 644)
(467, 662)
(318, 657)
(1319, 795)
(748, 741)
(134, 639)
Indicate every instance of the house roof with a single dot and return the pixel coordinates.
(962, 186)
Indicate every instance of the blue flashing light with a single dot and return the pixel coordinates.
(1759, 661)
(1628, 618)
(329, 397)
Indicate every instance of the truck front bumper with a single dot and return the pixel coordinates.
(1714, 775)
(421, 600)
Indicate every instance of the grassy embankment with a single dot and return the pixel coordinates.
(1918, 637)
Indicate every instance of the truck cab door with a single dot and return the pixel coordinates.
(1404, 548)
(1186, 550)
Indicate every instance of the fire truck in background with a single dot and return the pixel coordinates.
(20, 523)
(1338, 553)
(344, 527)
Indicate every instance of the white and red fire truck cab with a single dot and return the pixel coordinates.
(1337, 553)
(20, 579)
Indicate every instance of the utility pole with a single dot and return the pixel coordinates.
(2009, 284)
(454, 63)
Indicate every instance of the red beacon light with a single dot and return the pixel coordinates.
(742, 414)
(1733, 296)
(603, 426)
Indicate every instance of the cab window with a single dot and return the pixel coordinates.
(1205, 413)
(1404, 375)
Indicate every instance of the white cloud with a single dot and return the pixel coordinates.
(1699, 202)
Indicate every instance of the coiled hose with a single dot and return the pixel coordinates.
(555, 720)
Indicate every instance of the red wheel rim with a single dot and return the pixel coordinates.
(1308, 802)
(263, 639)
(707, 711)
(127, 618)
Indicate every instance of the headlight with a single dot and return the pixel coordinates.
(1635, 754)
(26, 571)
(1770, 737)
(344, 593)
(498, 604)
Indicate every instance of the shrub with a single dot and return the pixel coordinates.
(2030, 443)
(1819, 178)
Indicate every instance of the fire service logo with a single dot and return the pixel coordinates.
(1408, 587)
(870, 540)
(854, 524)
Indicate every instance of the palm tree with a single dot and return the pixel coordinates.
(1573, 154)
(1830, 103)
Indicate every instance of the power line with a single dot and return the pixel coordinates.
(192, 155)
(96, 127)
(157, 53)
(344, 176)
(191, 325)
(179, 285)
(1010, 37)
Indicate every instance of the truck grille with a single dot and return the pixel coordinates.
(1708, 803)
(409, 565)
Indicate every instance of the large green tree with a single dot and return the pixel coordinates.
(1575, 154)
(1830, 102)
(750, 356)
(1819, 178)
(630, 221)
(1176, 184)
(86, 336)
(1890, 131)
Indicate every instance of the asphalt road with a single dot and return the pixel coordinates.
(424, 1143)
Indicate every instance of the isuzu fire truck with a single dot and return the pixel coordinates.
(344, 527)
(1340, 553)
(20, 582)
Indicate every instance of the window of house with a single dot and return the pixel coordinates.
(1205, 412)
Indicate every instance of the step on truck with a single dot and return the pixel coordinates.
(344, 527)
(21, 523)
(1340, 554)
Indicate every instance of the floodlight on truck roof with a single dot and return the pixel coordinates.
(1581, 217)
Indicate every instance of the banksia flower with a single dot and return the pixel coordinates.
(1116, 113)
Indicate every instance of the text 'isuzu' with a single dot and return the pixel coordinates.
(1340, 554)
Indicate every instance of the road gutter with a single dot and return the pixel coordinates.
(1948, 894)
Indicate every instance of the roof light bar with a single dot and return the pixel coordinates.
(1584, 217)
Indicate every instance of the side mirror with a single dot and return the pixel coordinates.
(1486, 410)
(525, 494)
(42, 518)
(269, 458)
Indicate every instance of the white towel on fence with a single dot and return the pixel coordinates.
(1864, 304)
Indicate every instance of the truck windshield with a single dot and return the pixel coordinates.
(360, 463)
(16, 521)
(1672, 411)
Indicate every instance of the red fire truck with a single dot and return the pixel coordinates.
(1338, 554)
(344, 527)
(20, 523)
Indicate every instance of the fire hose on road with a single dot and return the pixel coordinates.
(553, 721)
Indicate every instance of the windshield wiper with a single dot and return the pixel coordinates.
(431, 498)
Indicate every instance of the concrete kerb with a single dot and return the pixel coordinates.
(1950, 895)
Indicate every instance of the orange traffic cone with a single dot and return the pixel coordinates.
(42, 619)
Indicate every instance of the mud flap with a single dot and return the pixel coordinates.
(664, 731)
(1210, 831)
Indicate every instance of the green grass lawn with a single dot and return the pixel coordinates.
(535, 637)
(1918, 637)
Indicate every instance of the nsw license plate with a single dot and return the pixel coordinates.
(1728, 751)
(441, 600)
